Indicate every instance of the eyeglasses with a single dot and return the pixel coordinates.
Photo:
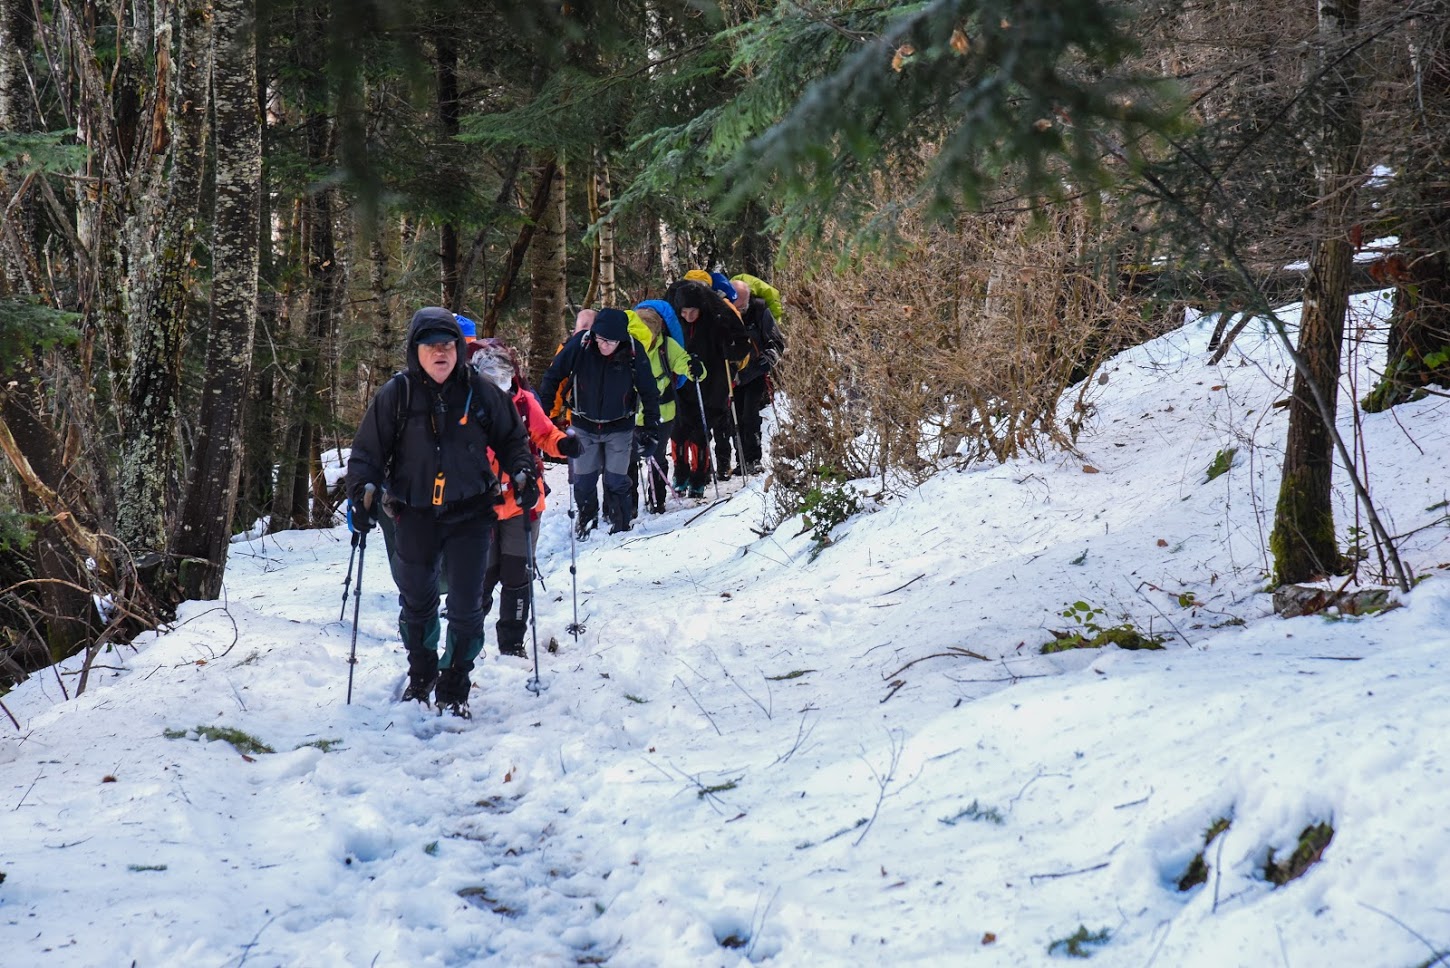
(611, 342)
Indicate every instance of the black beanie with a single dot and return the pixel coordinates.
(611, 324)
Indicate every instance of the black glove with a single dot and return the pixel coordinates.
(526, 489)
(646, 438)
(697, 369)
(359, 518)
(570, 446)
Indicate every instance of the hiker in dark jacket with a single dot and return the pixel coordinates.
(751, 393)
(713, 334)
(424, 444)
(611, 378)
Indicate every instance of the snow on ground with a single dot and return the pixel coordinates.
(754, 755)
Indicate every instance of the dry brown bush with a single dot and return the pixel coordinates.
(956, 351)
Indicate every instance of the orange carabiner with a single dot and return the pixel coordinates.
(438, 489)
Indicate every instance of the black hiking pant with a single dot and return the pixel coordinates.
(749, 402)
(454, 542)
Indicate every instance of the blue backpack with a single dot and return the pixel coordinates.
(672, 323)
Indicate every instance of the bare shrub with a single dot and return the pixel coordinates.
(957, 350)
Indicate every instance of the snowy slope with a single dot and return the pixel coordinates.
(751, 755)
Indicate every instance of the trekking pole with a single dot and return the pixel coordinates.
(362, 547)
(705, 422)
(734, 420)
(534, 685)
(660, 482)
(574, 629)
(342, 614)
(648, 483)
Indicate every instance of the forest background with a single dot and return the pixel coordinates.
(218, 216)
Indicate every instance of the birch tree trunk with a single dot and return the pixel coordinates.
(205, 526)
(1303, 541)
(609, 292)
(163, 275)
(549, 267)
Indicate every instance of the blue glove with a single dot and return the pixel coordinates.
(359, 518)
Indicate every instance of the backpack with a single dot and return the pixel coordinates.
(763, 290)
(672, 324)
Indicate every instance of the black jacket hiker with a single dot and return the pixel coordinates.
(424, 444)
(606, 390)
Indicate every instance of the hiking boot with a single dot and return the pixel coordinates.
(582, 529)
(420, 686)
(697, 491)
(680, 487)
(422, 643)
(452, 690)
(514, 649)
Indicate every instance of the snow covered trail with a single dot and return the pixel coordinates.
(758, 754)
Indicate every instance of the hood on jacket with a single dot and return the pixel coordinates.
(672, 326)
(667, 313)
(640, 330)
(695, 295)
(433, 320)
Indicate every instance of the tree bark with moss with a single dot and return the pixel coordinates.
(204, 527)
(1303, 540)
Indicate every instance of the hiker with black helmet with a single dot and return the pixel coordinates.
(610, 378)
(424, 444)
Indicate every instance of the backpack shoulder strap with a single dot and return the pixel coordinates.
(401, 411)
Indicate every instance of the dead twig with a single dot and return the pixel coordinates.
(900, 587)
(702, 709)
(953, 652)
(883, 780)
(28, 789)
(1438, 955)
(801, 735)
(1034, 878)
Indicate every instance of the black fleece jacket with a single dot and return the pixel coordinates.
(605, 390)
(445, 429)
